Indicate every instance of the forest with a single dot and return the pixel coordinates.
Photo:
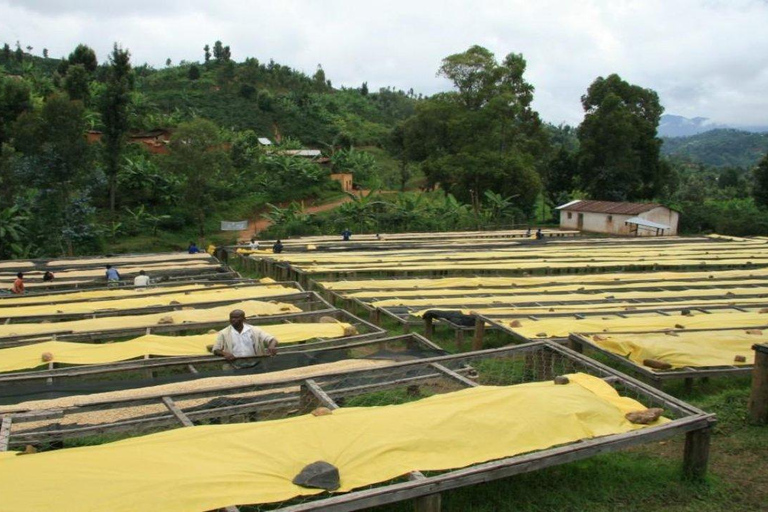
(73, 180)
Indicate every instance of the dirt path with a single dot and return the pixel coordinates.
(256, 226)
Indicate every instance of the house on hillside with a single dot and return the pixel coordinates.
(630, 219)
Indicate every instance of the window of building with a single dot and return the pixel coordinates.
(610, 218)
(570, 215)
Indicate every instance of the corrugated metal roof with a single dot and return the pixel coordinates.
(647, 223)
(609, 207)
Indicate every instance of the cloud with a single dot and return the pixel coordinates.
(704, 58)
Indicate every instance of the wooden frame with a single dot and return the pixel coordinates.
(367, 331)
(580, 341)
(327, 389)
(310, 300)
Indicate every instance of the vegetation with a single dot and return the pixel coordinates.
(481, 147)
(718, 148)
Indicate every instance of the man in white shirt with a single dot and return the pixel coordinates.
(243, 340)
(141, 280)
(254, 245)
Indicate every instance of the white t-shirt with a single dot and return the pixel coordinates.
(141, 281)
(254, 245)
(242, 343)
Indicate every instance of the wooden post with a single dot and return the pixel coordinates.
(5, 433)
(429, 503)
(459, 339)
(312, 396)
(171, 405)
(575, 345)
(758, 399)
(477, 340)
(696, 454)
(429, 328)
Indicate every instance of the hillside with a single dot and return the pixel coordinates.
(719, 148)
(271, 99)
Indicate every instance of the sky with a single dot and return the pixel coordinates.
(706, 58)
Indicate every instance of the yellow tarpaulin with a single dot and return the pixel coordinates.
(190, 297)
(694, 349)
(612, 287)
(513, 297)
(560, 327)
(151, 269)
(209, 467)
(112, 293)
(111, 323)
(473, 282)
(29, 356)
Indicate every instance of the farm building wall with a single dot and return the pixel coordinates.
(616, 224)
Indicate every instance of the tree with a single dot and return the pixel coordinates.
(45, 53)
(84, 55)
(482, 136)
(619, 150)
(218, 50)
(199, 160)
(168, 62)
(14, 99)
(194, 72)
(77, 83)
(319, 76)
(364, 89)
(207, 54)
(19, 53)
(760, 190)
(114, 111)
(6, 53)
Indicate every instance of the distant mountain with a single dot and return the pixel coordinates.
(679, 126)
(719, 147)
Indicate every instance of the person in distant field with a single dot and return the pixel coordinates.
(193, 248)
(254, 245)
(113, 276)
(48, 276)
(539, 234)
(528, 233)
(18, 284)
(346, 234)
(141, 280)
(241, 340)
(277, 248)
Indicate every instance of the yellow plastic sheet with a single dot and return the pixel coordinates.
(561, 327)
(687, 349)
(29, 356)
(183, 299)
(112, 293)
(731, 293)
(209, 467)
(221, 313)
(613, 287)
(498, 282)
(97, 273)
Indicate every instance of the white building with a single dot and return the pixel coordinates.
(631, 219)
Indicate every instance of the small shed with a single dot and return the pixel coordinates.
(344, 179)
(631, 219)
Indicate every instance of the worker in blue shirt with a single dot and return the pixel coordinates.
(113, 276)
(193, 248)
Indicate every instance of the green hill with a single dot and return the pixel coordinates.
(719, 148)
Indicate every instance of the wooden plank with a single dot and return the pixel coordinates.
(430, 503)
(318, 396)
(453, 375)
(5, 432)
(696, 455)
(758, 398)
(171, 405)
(477, 340)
